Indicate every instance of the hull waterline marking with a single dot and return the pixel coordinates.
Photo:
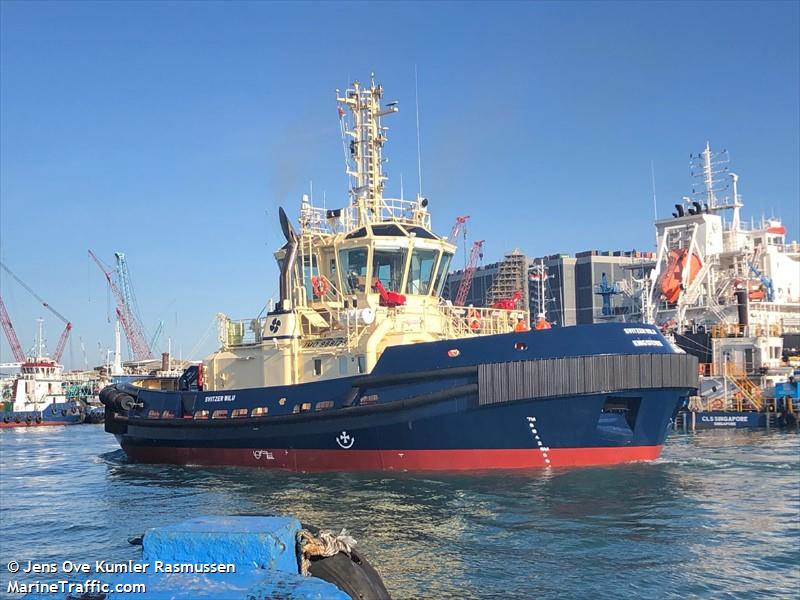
(535, 433)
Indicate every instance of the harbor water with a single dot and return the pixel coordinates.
(717, 516)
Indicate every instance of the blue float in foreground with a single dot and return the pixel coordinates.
(259, 550)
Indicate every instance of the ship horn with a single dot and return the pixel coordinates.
(288, 260)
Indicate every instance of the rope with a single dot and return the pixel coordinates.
(325, 543)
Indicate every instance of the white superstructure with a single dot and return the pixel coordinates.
(354, 280)
(715, 273)
(39, 382)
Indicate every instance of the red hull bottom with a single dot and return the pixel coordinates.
(393, 460)
(34, 424)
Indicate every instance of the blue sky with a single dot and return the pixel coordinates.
(173, 131)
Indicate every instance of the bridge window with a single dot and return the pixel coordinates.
(220, 414)
(390, 229)
(201, 414)
(324, 405)
(353, 264)
(259, 411)
(388, 266)
(239, 412)
(441, 273)
(168, 414)
(304, 407)
(421, 271)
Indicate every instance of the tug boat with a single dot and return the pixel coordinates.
(36, 396)
(362, 365)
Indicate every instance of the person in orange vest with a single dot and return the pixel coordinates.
(541, 322)
(521, 324)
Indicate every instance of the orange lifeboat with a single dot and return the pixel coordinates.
(757, 292)
(672, 280)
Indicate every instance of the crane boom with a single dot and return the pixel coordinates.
(469, 271)
(8, 327)
(62, 342)
(35, 295)
(139, 348)
(457, 226)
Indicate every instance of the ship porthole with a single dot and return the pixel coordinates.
(454, 353)
(520, 346)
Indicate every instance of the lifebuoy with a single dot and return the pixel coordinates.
(321, 286)
(473, 319)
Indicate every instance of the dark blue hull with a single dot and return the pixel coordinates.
(516, 400)
(58, 413)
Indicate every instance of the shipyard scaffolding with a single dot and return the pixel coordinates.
(511, 282)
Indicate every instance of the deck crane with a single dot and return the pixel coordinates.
(13, 341)
(469, 271)
(127, 318)
(62, 341)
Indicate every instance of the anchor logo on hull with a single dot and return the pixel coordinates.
(345, 440)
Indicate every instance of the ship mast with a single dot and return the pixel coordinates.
(708, 167)
(367, 138)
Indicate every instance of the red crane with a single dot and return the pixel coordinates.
(457, 226)
(469, 271)
(62, 341)
(13, 341)
(136, 338)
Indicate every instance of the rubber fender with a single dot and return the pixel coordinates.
(107, 395)
(116, 400)
(353, 575)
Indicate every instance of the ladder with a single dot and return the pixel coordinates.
(742, 382)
